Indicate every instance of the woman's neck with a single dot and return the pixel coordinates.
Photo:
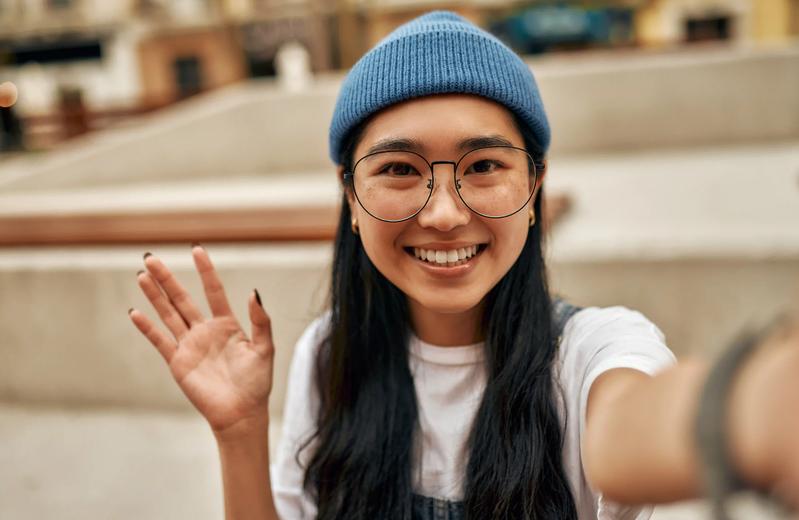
(446, 329)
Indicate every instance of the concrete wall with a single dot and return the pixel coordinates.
(724, 96)
(67, 339)
(245, 130)
(701, 305)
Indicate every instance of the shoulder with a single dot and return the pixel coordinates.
(614, 320)
(599, 338)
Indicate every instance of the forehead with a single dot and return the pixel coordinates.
(439, 123)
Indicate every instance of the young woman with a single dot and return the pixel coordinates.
(444, 382)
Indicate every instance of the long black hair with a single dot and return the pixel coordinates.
(361, 466)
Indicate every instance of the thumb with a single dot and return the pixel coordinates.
(261, 326)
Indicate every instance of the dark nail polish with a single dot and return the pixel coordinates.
(258, 297)
(140, 272)
(130, 310)
(147, 254)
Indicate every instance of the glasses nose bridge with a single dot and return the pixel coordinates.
(453, 192)
(454, 167)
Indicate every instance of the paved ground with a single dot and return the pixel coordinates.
(106, 465)
(125, 465)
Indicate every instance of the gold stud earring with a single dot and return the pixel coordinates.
(355, 226)
(532, 218)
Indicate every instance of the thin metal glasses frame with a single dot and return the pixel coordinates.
(349, 177)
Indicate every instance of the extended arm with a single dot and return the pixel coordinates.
(639, 445)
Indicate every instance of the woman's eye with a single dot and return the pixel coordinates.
(399, 169)
(484, 166)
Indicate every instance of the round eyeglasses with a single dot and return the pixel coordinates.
(494, 182)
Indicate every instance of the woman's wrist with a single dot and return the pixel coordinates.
(244, 459)
(762, 417)
(252, 427)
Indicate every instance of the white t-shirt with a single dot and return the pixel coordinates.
(449, 384)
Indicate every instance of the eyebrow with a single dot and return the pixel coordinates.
(402, 144)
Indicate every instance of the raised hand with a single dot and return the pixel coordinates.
(226, 375)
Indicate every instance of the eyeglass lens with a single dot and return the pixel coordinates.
(494, 182)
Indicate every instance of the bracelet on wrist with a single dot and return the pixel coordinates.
(721, 478)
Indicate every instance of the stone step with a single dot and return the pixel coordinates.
(694, 239)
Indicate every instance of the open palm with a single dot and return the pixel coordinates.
(226, 375)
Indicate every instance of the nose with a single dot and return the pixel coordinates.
(445, 210)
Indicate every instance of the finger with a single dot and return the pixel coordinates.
(8, 94)
(165, 346)
(173, 321)
(174, 290)
(261, 326)
(214, 290)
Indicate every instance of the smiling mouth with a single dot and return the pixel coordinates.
(448, 258)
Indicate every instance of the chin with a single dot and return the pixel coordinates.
(444, 303)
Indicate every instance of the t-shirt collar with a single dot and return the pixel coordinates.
(456, 355)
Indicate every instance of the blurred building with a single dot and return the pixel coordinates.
(184, 48)
(265, 26)
(87, 64)
(116, 52)
(669, 22)
(153, 52)
(81, 64)
(84, 64)
(537, 26)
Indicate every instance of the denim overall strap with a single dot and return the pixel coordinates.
(561, 312)
(430, 508)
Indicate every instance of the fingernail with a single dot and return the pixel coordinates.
(140, 273)
(258, 298)
(147, 255)
(195, 244)
(130, 310)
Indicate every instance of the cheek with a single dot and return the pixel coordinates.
(509, 240)
(378, 240)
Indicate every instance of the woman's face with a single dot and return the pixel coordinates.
(437, 125)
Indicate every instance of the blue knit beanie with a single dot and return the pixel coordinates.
(437, 53)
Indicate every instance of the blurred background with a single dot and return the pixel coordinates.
(144, 125)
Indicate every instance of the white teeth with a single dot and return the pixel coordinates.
(445, 257)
